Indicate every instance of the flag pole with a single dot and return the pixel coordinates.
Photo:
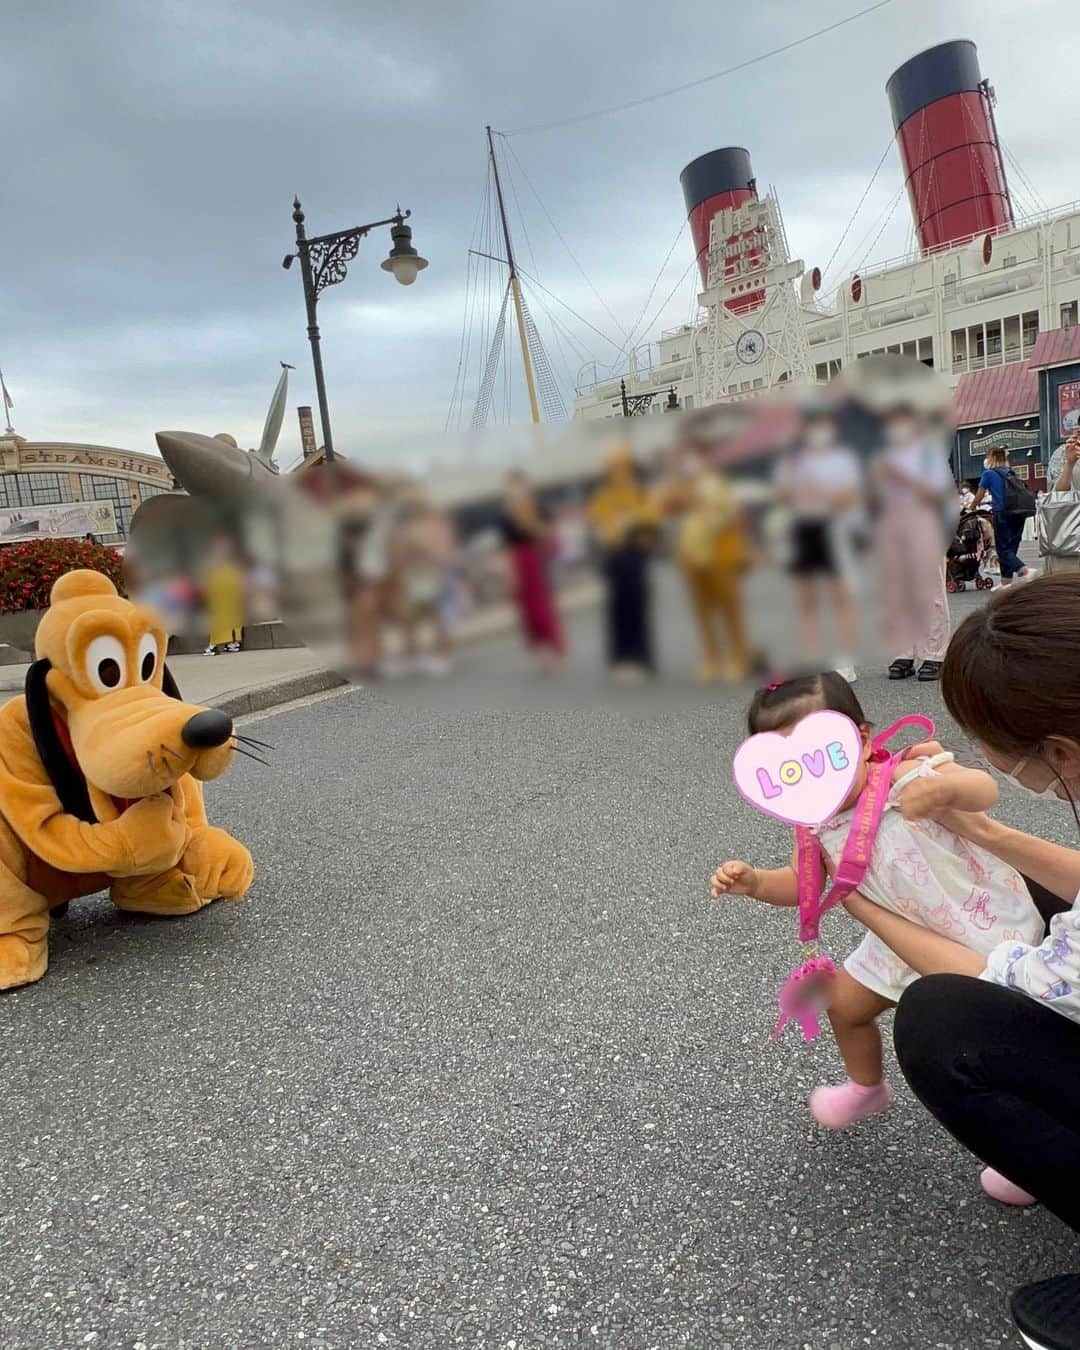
(8, 405)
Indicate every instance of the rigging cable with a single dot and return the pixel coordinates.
(1029, 186)
(561, 237)
(705, 79)
(648, 299)
(568, 308)
(858, 206)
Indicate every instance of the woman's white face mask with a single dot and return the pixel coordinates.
(1013, 776)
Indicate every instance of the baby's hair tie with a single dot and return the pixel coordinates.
(773, 683)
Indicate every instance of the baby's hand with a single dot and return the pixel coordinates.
(734, 878)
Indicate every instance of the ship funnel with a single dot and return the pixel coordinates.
(944, 122)
(711, 183)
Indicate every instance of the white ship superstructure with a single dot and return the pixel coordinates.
(976, 295)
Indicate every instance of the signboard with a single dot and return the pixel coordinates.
(1069, 407)
(1015, 439)
(61, 520)
(307, 432)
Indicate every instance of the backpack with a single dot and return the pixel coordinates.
(1019, 500)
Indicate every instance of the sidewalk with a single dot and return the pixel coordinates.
(245, 682)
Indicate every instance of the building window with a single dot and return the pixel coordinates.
(1068, 314)
(45, 489)
(926, 351)
(1009, 260)
(688, 401)
(1030, 323)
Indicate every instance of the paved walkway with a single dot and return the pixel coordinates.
(478, 1063)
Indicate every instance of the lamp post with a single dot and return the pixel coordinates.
(323, 262)
(635, 405)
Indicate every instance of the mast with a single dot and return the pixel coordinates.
(515, 285)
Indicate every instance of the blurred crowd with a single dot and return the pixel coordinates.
(844, 490)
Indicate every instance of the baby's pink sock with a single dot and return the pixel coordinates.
(845, 1103)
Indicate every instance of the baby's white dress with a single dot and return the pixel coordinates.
(931, 876)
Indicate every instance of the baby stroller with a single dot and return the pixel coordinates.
(966, 555)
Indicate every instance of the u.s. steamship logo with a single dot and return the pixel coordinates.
(750, 347)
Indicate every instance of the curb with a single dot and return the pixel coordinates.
(259, 697)
(271, 693)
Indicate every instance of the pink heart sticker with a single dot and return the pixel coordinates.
(804, 776)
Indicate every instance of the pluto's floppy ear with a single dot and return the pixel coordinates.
(169, 685)
(69, 784)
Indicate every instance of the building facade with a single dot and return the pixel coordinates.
(50, 474)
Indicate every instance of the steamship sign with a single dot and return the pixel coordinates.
(750, 347)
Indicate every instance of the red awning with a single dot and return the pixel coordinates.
(995, 394)
(1056, 346)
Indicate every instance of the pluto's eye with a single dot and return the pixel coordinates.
(147, 657)
(106, 663)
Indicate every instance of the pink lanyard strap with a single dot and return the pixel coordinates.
(859, 845)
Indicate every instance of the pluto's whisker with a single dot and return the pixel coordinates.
(248, 754)
(169, 751)
(253, 740)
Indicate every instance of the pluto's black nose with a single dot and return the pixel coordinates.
(207, 728)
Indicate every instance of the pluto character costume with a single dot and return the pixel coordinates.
(101, 767)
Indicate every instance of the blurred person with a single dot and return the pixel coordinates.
(372, 580)
(711, 551)
(915, 494)
(224, 598)
(967, 497)
(1061, 469)
(821, 484)
(1008, 528)
(423, 547)
(529, 539)
(624, 519)
(1062, 476)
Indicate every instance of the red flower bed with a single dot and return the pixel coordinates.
(27, 571)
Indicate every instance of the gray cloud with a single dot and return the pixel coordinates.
(148, 182)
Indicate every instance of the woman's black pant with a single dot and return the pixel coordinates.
(628, 620)
(1001, 1072)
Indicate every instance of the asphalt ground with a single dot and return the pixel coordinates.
(478, 1062)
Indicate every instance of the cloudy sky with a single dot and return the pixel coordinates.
(153, 148)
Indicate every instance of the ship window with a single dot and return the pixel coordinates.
(1031, 329)
(821, 372)
(1068, 314)
(926, 351)
(993, 342)
(1009, 260)
(1012, 337)
(688, 401)
(959, 350)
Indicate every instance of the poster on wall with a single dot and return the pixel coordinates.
(1069, 407)
(62, 520)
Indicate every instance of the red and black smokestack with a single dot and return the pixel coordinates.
(948, 143)
(721, 179)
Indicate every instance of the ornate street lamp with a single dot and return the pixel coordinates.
(324, 262)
